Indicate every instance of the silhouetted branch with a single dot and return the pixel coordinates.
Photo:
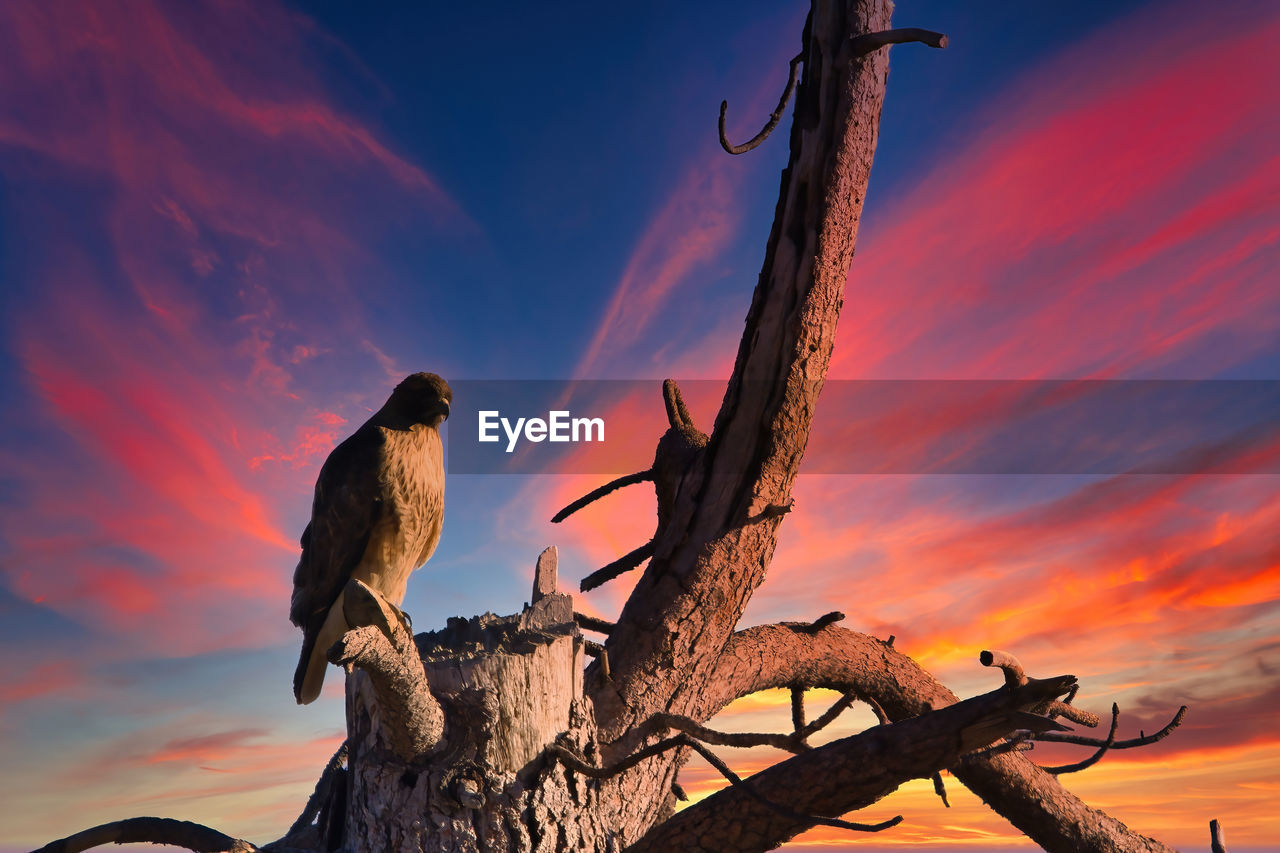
(1097, 756)
(1142, 740)
(596, 494)
(940, 789)
(580, 765)
(774, 117)
(151, 830)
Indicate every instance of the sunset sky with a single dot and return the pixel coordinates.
(227, 230)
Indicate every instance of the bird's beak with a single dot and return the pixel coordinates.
(444, 409)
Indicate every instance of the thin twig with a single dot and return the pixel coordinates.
(620, 566)
(793, 742)
(823, 621)
(876, 709)
(774, 117)
(596, 494)
(940, 789)
(1097, 756)
(579, 765)
(837, 708)
(1144, 740)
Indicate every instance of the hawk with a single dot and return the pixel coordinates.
(377, 514)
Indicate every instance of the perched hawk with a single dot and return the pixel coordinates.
(376, 517)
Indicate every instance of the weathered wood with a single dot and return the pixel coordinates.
(850, 773)
(772, 656)
(708, 558)
(509, 686)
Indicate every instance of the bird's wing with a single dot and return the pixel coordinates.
(348, 503)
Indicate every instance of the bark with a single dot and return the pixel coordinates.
(708, 557)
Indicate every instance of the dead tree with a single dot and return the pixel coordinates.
(495, 733)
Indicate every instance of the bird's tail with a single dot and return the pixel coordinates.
(308, 678)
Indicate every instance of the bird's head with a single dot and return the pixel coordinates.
(422, 398)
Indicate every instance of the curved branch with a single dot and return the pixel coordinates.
(684, 741)
(793, 742)
(1143, 740)
(151, 830)
(774, 117)
(850, 773)
(1013, 674)
(1097, 756)
(775, 656)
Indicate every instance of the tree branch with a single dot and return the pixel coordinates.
(1097, 756)
(1143, 740)
(847, 774)
(868, 42)
(774, 118)
(620, 566)
(151, 830)
(413, 719)
(596, 494)
(773, 656)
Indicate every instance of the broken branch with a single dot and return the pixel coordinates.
(620, 566)
(867, 42)
(1013, 674)
(596, 494)
(414, 721)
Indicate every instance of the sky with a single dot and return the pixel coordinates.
(227, 230)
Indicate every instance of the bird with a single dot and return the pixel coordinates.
(376, 517)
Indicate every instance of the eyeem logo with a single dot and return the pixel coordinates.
(559, 426)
